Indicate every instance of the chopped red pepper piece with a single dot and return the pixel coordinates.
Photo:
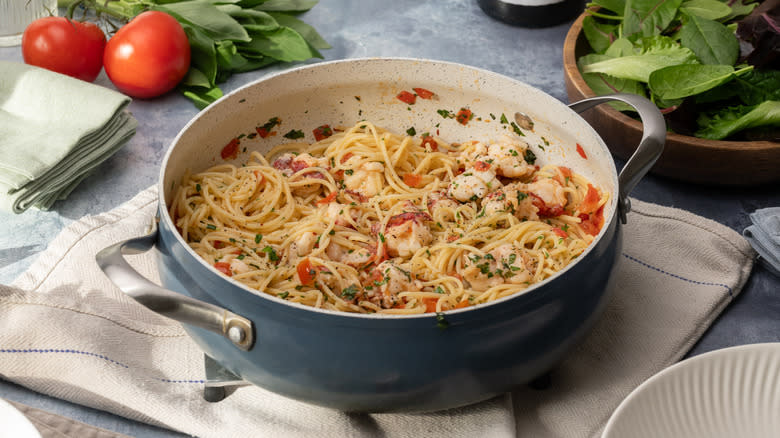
(407, 97)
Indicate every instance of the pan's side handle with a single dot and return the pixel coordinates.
(650, 146)
(237, 329)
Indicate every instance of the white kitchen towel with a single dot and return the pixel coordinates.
(66, 331)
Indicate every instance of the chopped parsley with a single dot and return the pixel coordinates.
(530, 156)
(446, 113)
(211, 227)
(350, 292)
(349, 172)
(517, 129)
(294, 134)
(504, 119)
(197, 188)
(258, 238)
(441, 322)
(272, 255)
(411, 132)
(284, 294)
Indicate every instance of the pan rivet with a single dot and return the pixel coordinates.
(236, 334)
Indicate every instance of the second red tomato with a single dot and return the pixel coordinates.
(148, 56)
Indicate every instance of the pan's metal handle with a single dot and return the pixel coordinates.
(239, 330)
(650, 146)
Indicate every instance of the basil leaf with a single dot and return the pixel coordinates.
(196, 78)
(721, 124)
(709, 9)
(214, 23)
(287, 5)
(648, 17)
(283, 44)
(201, 97)
(202, 54)
(711, 41)
(678, 81)
(307, 32)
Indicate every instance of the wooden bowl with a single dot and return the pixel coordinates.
(685, 158)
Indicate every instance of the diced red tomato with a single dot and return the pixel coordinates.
(565, 171)
(544, 209)
(407, 97)
(481, 166)
(322, 132)
(591, 201)
(429, 141)
(224, 267)
(430, 304)
(463, 116)
(412, 179)
(346, 157)
(592, 223)
(462, 304)
(231, 149)
(559, 232)
(328, 199)
(218, 244)
(423, 93)
(306, 272)
(581, 151)
(262, 132)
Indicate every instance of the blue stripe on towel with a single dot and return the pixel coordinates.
(87, 353)
(702, 283)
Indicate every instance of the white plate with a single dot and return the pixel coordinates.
(14, 424)
(733, 392)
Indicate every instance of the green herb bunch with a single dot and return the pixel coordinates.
(711, 66)
(226, 36)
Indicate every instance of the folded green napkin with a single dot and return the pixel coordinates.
(54, 130)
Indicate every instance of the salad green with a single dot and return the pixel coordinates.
(711, 66)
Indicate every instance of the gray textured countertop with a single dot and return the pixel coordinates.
(453, 30)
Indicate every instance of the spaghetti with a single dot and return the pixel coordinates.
(370, 221)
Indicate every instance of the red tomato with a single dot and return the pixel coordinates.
(412, 179)
(591, 201)
(430, 304)
(148, 56)
(429, 141)
(322, 132)
(581, 151)
(407, 97)
(306, 272)
(423, 93)
(224, 267)
(68, 47)
(463, 116)
(230, 150)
